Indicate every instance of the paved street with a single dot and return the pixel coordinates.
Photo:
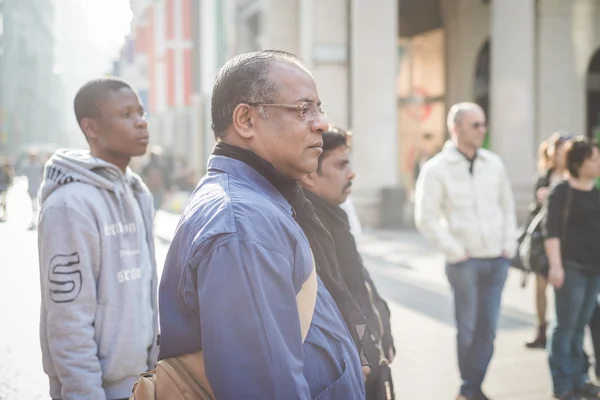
(406, 270)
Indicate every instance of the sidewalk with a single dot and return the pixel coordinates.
(409, 274)
(165, 224)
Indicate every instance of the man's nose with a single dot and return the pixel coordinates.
(320, 124)
(141, 122)
(351, 175)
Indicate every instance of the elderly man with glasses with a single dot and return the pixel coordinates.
(249, 281)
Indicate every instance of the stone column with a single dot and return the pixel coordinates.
(324, 44)
(374, 108)
(281, 25)
(513, 123)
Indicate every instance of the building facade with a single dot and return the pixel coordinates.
(390, 70)
(29, 109)
(171, 59)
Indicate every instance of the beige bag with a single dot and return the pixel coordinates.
(184, 377)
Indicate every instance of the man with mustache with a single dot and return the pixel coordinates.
(327, 188)
(249, 243)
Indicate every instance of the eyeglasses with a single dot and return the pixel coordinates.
(306, 111)
(478, 124)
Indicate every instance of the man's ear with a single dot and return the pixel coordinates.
(242, 120)
(89, 128)
(308, 181)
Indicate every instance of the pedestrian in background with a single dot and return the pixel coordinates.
(551, 170)
(34, 171)
(6, 181)
(572, 233)
(465, 206)
(155, 174)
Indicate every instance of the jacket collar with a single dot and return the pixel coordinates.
(331, 216)
(452, 153)
(246, 173)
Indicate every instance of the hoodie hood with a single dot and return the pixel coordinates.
(70, 165)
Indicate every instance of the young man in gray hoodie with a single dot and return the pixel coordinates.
(99, 321)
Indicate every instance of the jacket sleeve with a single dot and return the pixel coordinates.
(250, 326)
(429, 195)
(507, 202)
(68, 242)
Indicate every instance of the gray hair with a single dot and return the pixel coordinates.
(457, 111)
(246, 79)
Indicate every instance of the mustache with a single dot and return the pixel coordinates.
(347, 186)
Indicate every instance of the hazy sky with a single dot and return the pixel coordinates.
(89, 39)
(108, 22)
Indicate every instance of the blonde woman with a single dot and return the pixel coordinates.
(551, 169)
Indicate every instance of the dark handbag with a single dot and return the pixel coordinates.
(380, 386)
(531, 251)
(516, 260)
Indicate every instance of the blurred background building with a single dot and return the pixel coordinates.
(388, 70)
(30, 109)
(391, 69)
(48, 49)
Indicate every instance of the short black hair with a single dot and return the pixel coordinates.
(332, 139)
(245, 79)
(90, 96)
(578, 150)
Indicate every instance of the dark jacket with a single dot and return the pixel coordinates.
(542, 180)
(355, 274)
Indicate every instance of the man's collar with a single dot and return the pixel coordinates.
(246, 173)
(453, 154)
(326, 210)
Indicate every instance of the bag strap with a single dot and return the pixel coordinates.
(383, 360)
(535, 222)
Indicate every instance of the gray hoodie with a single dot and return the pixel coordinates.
(99, 319)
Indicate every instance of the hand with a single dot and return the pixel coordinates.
(366, 371)
(556, 276)
(505, 255)
(463, 259)
(391, 355)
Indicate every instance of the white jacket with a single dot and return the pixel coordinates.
(464, 213)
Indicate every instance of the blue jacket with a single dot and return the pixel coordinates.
(229, 287)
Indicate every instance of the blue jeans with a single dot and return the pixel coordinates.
(574, 303)
(477, 285)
